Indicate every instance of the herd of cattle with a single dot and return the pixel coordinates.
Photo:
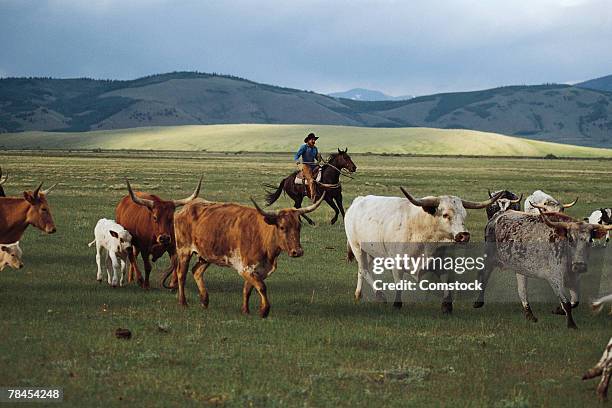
(250, 239)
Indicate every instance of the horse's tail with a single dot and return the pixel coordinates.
(272, 196)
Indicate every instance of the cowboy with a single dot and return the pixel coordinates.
(310, 159)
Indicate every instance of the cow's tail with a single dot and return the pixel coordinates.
(272, 196)
(91, 243)
(169, 271)
(350, 256)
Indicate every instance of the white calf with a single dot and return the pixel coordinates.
(117, 242)
(10, 254)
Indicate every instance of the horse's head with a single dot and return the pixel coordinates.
(342, 160)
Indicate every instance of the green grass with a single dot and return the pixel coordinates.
(317, 348)
(287, 138)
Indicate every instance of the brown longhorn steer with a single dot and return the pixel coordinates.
(17, 213)
(150, 221)
(245, 238)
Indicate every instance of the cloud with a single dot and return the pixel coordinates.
(398, 47)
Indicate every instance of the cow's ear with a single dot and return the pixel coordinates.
(4, 248)
(598, 233)
(270, 220)
(28, 197)
(586, 219)
(430, 210)
(114, 234)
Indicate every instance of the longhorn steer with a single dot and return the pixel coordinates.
(541, 199)
(150, 221)
(602, 216)
(17, 213)
(550, 246)
(244, 238)
(388, 221)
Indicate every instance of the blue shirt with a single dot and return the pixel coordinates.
(307, 153)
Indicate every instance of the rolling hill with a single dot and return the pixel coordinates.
(600, 84)
(286, 138)
(557, 113)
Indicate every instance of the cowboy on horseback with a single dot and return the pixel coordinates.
(310, 158)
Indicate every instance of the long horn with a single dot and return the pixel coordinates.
(474, 205)
(552, 224)
(138, 200)
(573, 203)
(489, 191)
(263, 212)
(45, 192)
(421, 202)
(191, 197)
(311, 207)
(2, 179)
(518, 200)
(35, 192)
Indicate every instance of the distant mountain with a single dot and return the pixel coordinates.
(601, 84)
(556, 113)
(361, 94)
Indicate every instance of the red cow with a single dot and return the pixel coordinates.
(17, 213)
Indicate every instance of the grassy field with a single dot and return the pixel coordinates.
(317, 348)
(286, 138)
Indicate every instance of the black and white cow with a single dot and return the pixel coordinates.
(602, 216)
(507, 201)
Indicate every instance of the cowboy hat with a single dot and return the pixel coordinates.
(310, 136)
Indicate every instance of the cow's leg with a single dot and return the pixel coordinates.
(398, 274)
(109, 268)
(521, 281)
(98, 262)
(247, 288)
(297, 203)
(484, 275)
(134, 270)
(447, 299)
(561, 293)
(260, 286)
(602, 388)
(198, 275)
(147, 265)
(115, 265)
(123, 268)
(329, 200)
(183, 258)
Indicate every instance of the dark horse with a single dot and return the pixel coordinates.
(330, 183)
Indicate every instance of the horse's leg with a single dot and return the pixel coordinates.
(297, 203)
(338, 199)
(329, 200)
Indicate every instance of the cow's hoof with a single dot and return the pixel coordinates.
(263, 313)
(357, 297)
(333, 221)
(397, 305)
(379, 297)
(245, 311)
(572, 325)
(478, 305)
(183, 304)
(204, 303)
(529, 315)
(447, 307)
(558, 311)
(114, 286)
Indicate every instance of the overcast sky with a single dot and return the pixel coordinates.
(398, 47)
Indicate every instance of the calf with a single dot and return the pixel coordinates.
(117, 242)
(603, 216)
(603, 368)
(10, 254)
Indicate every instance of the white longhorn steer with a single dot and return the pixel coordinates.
(546, 201)
(375, 226)
(116, 241)
(10, 254)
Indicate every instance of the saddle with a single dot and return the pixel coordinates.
(299, 177)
